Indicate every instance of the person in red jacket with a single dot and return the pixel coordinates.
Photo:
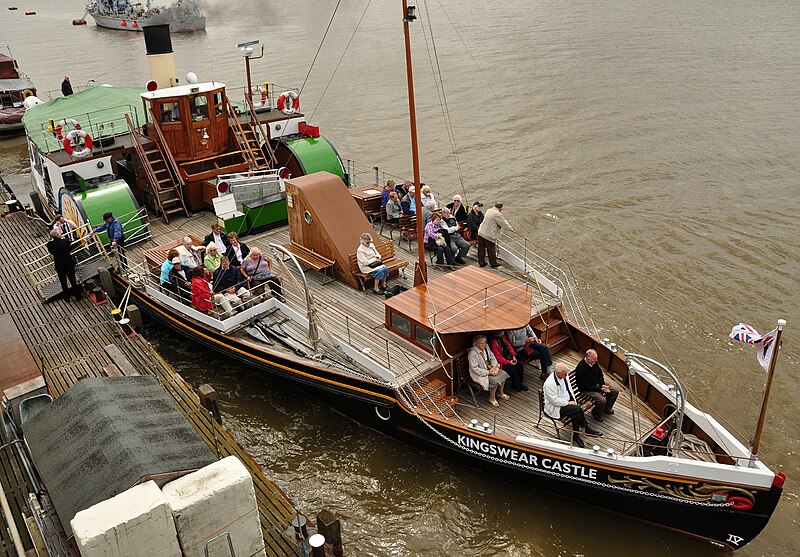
(201, 291)
(503, 351)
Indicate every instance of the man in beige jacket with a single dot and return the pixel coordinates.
(489, 233)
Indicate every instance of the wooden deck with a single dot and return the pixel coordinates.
(346, 313)
(68, 342)
(518, 415)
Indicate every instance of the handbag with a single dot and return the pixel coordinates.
(440, 240)
(261, 276)
(375, 264)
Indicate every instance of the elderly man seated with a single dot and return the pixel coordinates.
(457, 243)
(190, 255)
(590, 381)
(229, 289)
(484, 370)
(560, 402)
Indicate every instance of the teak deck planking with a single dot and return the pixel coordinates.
(70, 341)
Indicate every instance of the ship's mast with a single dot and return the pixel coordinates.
(421, 272)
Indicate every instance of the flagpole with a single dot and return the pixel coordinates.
(770, 374)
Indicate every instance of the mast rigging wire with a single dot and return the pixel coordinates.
(316, 54)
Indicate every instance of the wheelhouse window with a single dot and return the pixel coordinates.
(401, 324)
(170, 112)
(219, 103)
(423, 335)
(198, 105)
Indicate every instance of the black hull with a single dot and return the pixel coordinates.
(377, 407)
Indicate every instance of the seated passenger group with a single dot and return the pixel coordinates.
(499, 356)
(229, 281)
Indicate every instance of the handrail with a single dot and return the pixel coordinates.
(140, 149)
(252, 158)
(258, 125)
(172, 164)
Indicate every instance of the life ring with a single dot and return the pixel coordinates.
(388, 414)
(740, 503)
(60, 127)
(27, 93)
(289, 102)
(87, 145)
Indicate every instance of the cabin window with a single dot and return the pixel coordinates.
(170, 112)
(199, 107)
(219, 101)
(423, 335)
(401, 324)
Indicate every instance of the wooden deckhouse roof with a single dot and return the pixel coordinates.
(468, 299)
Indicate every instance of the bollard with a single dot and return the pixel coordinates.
(208, 399)
(300, 525)
(317, 543)
(135, 316)
(328, 525)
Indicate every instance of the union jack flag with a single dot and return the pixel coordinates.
(764, 344)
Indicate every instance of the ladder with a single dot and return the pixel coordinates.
(165, 182)
(248, 141)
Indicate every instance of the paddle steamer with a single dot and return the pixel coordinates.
(191, 156)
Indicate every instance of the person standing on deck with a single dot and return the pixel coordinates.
(64, 263)
(64, 225)
(66, 87)
(116, 236)
(489, 233)
(560, 402)
(590, 381)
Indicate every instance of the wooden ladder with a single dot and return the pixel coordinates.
(247, 140)
(165, 181)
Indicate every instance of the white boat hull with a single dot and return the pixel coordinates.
(136, 24)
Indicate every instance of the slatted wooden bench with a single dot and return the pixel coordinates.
(461, 363)
(312, 260)
(389, 258)
(408, 229)
(386, 222)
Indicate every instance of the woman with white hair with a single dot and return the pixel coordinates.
(484, 370)
(369, 262)
(257, 269)
(426, 195)
(212, 258)
(457, 209)
(190, 254)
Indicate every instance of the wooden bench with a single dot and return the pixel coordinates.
(389, 258)
(585, 402)
(461, 364)
(372, 208)
(312, 260)
(156, 256)
(408, 229)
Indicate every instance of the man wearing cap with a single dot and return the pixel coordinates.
(116, 236)
(64, 263)
(474, 219)
(489, 233)
(179, 281)
(457, 209)
(64, 225)
(408, 203)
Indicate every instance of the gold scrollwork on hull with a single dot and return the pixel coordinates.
(696, 492)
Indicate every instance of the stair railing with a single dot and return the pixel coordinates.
(172, 164)
(261, 131)
(244, 145)
(151, 177)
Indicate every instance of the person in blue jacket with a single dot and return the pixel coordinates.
(116, 236)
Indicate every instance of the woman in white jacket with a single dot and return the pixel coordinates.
(484, 370)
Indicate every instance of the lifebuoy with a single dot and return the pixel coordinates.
(27, 93)
(60, 127)
(87, 144)
(289, 102)
(740, 503)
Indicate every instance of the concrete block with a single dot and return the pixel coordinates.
(216, 500)
(135, 522)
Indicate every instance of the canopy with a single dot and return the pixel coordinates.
(91, 106)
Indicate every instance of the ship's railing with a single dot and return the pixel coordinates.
(551, 275)
(37, 262)
(364, 175)
(265, 96)
(51, 94)
(102, 125)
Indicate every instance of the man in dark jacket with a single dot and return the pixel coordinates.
(474, 220)
(64, 263)
(66, 87)
(218, 237)
(590, 381)
(116, 237)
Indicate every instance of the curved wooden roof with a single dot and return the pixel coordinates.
(469, 299)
